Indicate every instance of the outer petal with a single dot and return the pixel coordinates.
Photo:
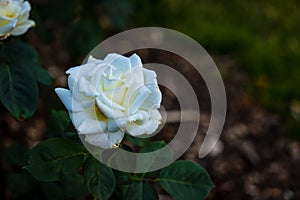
(65, 96)
(72, 76)
(8, 27)
(147, 128)
(22, 28)
(24, 14)
(138, 99)
(135, 61)
(119, 65)
(154, 99)
(91, 59)
(89, 121)
(86, 70)
(91, 72)
(112, 126)
(92, 126)
(25, 7)
(70, 103)
(149, 76)
(105, 140)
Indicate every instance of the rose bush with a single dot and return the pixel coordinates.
(14, 16)
(111, 97)
(106, 99)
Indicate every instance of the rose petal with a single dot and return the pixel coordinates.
(140, 116)
(133, 84)
(135, 61)
(86, 88)
(65, 96)
(154, 99)
(24, 14)
(109, 112)
(118, 65)
(70, 103)
(72, 76)
(91, 59)
(117, 95)
(22, 28)
(136, 129)
(112, 126)
(106, 140)
(109, 84)
(138, 99)
(109, 102)
(149, 76)
(86, 70)
(8, 27)
(25, 7)
(90, 125)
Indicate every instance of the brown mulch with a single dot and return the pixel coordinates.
(254, 158)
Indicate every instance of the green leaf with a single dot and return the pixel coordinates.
(22, 54)
(148, 162)
(69, 187)
(41, 75)
(139, 190)
(58, 123)
(137, 141)
(19, 91)
(99, 178)
(54, 158)
(20, 70)
(122, 178)
(185, 180)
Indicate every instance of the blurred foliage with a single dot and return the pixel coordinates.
(84, 23)
(263, 37)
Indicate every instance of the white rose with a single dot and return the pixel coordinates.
(14, 17)
(110, 97)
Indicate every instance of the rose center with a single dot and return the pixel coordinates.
(10, 15)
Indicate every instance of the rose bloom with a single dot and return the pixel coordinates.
(111, 97)
(14, 17)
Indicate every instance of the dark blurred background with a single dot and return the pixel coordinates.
(255, 44)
